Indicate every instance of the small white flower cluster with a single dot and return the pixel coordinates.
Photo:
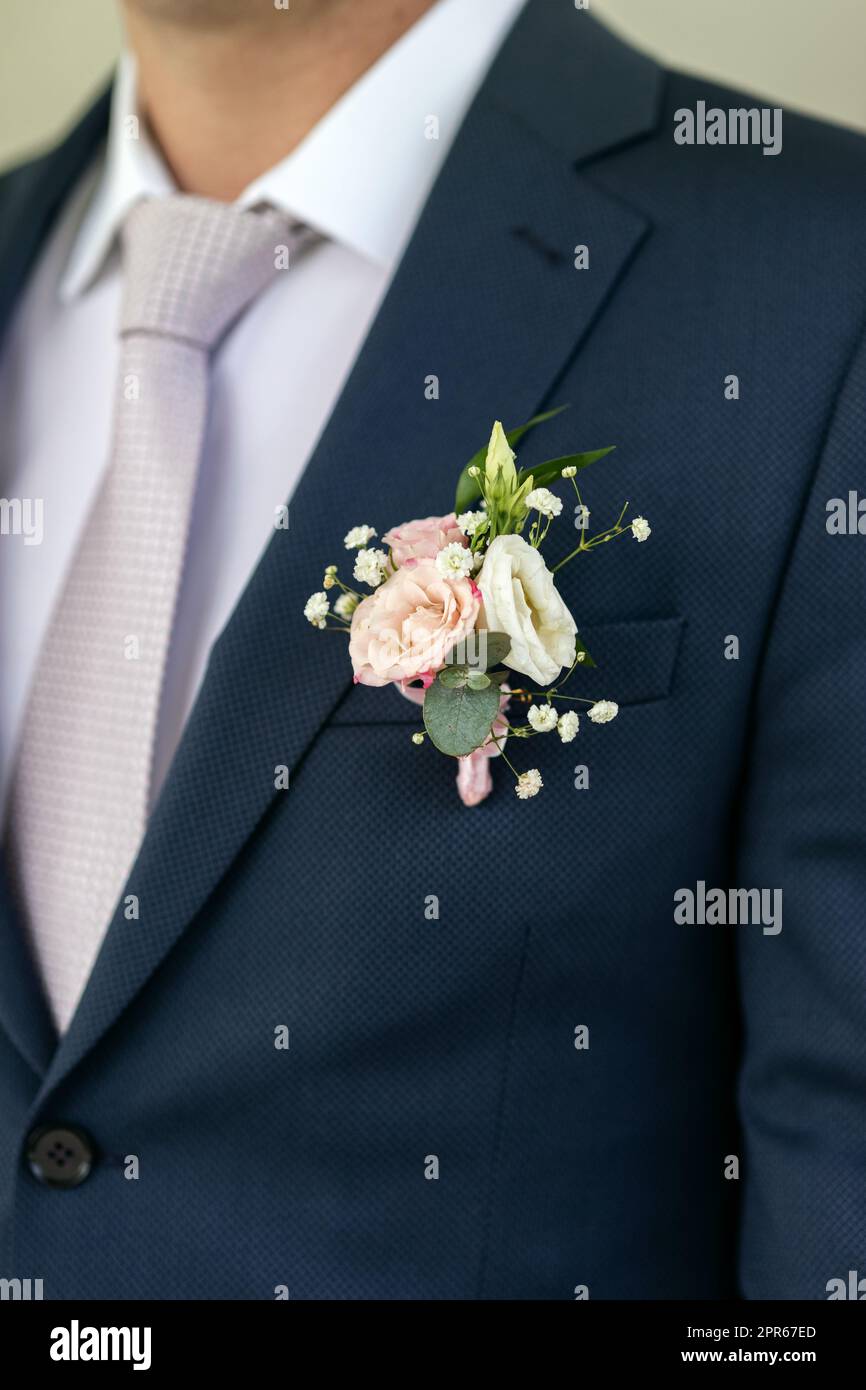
(470, 521)
(346, 605)
(316, 609)
(371, 566)
(568, 725)
(544, 719)
(456, 561)
(542, 500)
(529, 784)
(640, 528)
(603, 711)
(358, 536)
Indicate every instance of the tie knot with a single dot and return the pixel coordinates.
(191, 265)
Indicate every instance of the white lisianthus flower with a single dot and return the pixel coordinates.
(640, 528)
(370, 567)
(455, 561)
(529, 784)
(358, 536)
(568, 726)
(542, 718)
(346, 605)
(521, 599)
(541, 499)
(316, 609)
(470, 521)
(603, 711)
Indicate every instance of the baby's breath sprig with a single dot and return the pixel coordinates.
(349, 599)
(527, 784)
(475, 525)
(548, 506)
(600, 711)
(318, 609)
(638, 527)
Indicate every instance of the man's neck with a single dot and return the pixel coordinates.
(227, 101)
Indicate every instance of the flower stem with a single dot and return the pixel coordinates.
(616, 530)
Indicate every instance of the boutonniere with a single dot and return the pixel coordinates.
(464, 603)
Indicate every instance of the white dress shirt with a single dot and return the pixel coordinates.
(360, 178)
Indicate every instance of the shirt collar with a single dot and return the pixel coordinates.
(132, 169)
(362, 174)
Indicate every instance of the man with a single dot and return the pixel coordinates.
(345, 1038)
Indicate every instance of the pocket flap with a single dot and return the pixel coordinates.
(635, 663)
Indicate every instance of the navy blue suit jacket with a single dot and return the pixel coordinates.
(558, 1167)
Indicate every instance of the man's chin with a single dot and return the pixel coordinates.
(210, 13)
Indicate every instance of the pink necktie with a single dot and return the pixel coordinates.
(79, 798)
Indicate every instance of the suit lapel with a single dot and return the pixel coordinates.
(23, 1008)
(32, 196)
(488, 301)
(30, 199)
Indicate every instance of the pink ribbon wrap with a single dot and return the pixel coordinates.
(474, 779)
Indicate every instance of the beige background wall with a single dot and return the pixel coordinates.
(54, 54)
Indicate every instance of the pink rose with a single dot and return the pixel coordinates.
(404, 630)
(422, 540)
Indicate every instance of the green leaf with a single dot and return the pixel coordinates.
(549, 471)
(467, 488)
(499, 677)
(453, 676)
(494, 648)
(458, 721)
(478, 680)
(479, 651)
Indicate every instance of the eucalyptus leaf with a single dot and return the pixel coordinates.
(494, 647)
(467, 488)
(458, 721)
(480, 650)
(454, 676)
(550, 470)
(477, 680)
(499, 677)
(462, 653)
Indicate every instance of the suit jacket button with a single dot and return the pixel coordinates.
(60, 1155)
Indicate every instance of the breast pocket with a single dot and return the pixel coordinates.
(635, 663)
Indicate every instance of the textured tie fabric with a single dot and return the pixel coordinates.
(79, 798)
